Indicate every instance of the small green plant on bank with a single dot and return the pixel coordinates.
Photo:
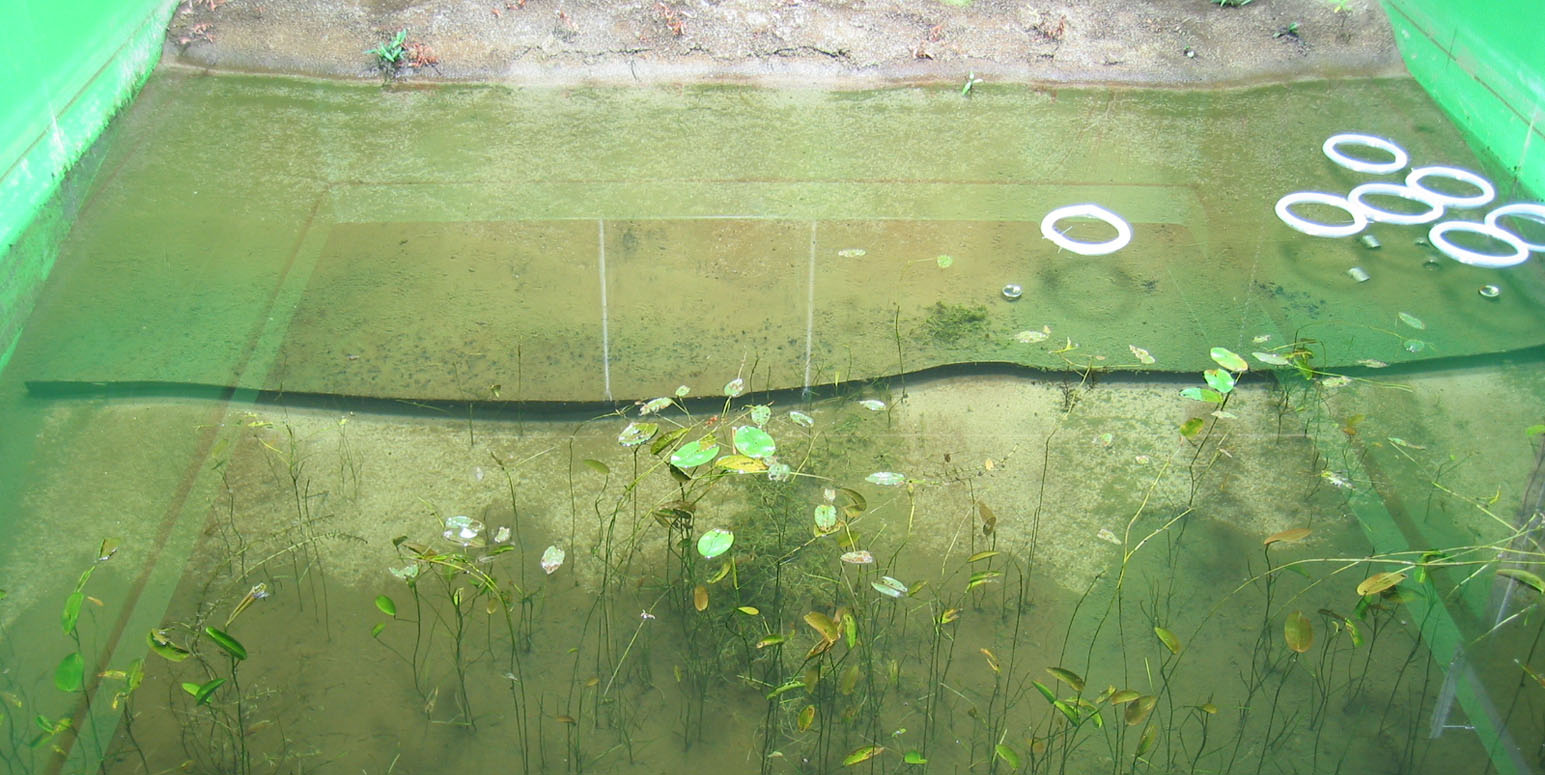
(390, 55)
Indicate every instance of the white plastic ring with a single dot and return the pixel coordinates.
(1433, 213)
(1485, 194)
(1395, 164)
(1529, 210)
(1359, 221)
(1123, 229)
(1438, 236)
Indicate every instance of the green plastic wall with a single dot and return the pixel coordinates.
(69, 67)
(1483, 61)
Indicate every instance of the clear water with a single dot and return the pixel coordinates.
(298, 326)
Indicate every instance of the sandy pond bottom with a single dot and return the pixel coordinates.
(1043, 522)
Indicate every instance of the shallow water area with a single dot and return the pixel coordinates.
(298, 326)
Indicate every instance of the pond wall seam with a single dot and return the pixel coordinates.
(76, 73)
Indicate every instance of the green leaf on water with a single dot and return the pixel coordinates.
(598, 467)
(741, 464)
(1531, 431)
(752, 441)
(1068, 677)
(1411, 320)
(800, 418)
(1168, 639)
(1522, 576)
(889, 587)
(825, 517)
(386, 605)
(168, 650)
(637, 433)
(68, 675)
(1271, 359)
(226, 642)
(735, 387)
(1220, 380)
(375, 631)
(1191, 427)
(1007, 755)
(666, 439)
(695, 452)
(1045, 692)
(886, 478)
(201, 695)
(863, 754)
(1202, 394)
(914, 757)
(945, 261)
(715, 542)
(71, 613)
(761, 413)
(1228, 359)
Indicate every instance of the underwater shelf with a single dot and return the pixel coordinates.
(599, 245)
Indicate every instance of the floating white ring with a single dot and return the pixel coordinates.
(1438, 236)
(1434, 210)
(1334, 153)
(1530, 210)
(1359, 221)
(1486, 193)
(1123, 230)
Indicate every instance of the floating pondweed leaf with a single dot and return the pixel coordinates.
(914, 757)
(1168, 639)
(1145, 743)
(979, 556)
(886, 478)
(1104, 439)
(1271, 359)
(761, 413)
(1336, 381)
(1007, 755)
(825, 517)
(1260, 339)
(1531, 580)
(1228, 359)
(463, 530)
(1414, 345)
(1031, 337)
(407, 572)
(806, 718)
(1107, 536)
(945, 261)
(752, 441)
(160, 642)
(823, 625)
(801, 419)
(872, 404)
(1288, 536)
(1379, 582)
(69, 674)
(1219, 380)
(1141, 355)
(597, 466)
(202, 692)
(552, 559)
(982, 577)
(682, 391)
(386, 605)
(1068, 677)
(1123, 696)
(1371, 363)
(502, 534)
(858, 557)
(695, 452)
(226, 642)
(715, 542)
(861, 755)
(1399, 442)
(1139, 709)
(889, 587)
(666, 439)
(749, 610)
(637, 433)
(1202, 394)
(741, 464)
(852, 253)
(700, 597)
(654, 405)
(735, 387)
(1224, 414)
(1191, 427)
(1411, 320)
(779, 472)
(1298, 631)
